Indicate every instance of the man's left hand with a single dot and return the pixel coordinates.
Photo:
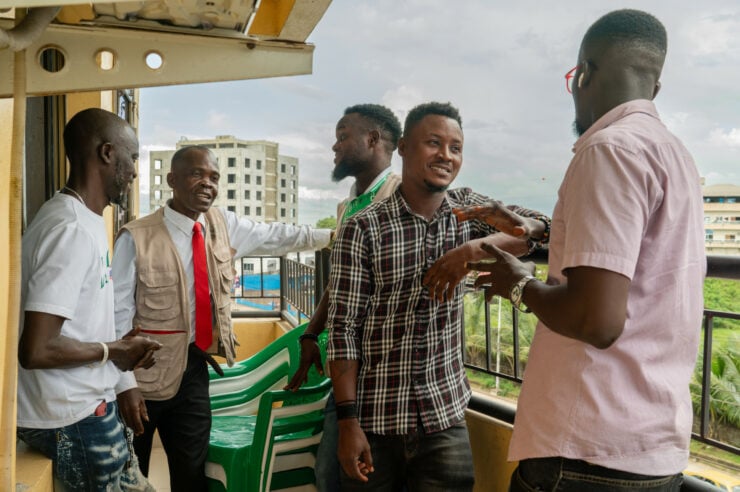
(501, 273)
(133, 409)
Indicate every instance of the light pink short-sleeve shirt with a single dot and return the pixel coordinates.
(630, 203)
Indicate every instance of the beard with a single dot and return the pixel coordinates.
(578, 129)
(121, 183)
(343, 169)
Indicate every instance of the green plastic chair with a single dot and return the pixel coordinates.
(274, 447)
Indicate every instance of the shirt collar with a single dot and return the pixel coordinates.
(353, 189)
(182, 222)
(616, 114)
(401, 206)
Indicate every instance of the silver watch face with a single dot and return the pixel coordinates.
(516, 293)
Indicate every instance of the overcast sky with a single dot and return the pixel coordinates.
(501, 63)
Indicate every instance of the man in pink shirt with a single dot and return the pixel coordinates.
(605, 402)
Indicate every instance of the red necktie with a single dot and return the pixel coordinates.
(203, 334)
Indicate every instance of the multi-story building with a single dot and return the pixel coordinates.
(256, 181)
(722, 219)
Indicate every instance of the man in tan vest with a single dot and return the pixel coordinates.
(156, 264)
(366, 135)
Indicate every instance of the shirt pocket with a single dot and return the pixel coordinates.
(159, 299)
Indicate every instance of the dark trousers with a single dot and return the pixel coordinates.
(418, 462)
(184, 425)
(567, 475)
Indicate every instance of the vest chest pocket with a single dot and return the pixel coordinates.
(157, 298)
(225, 262)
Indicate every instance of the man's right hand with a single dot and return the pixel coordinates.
(353, 450)
(310, 355)
(133, 409)
(133, 351)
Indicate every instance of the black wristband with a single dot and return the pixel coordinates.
(309, 336)
(348, 411)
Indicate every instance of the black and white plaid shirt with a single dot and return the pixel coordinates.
(409, 345)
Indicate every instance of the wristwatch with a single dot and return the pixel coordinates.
(517, 292)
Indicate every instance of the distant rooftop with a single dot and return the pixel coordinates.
(721, 190)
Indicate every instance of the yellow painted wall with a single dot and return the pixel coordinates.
(254, 334)
(489, 439)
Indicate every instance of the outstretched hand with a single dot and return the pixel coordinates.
(500, 274)
(310, 356)
(496, 215)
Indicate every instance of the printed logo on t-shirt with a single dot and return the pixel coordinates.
(106, 269)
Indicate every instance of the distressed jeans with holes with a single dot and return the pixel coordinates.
(567, 475)
(89, 455)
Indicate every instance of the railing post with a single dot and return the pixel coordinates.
(706, 375)
(283, 286)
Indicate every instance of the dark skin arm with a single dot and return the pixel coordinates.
(590, 307)
(133, 409)
(442, 278)
(310, 353)
(42, 346)
(353, 449)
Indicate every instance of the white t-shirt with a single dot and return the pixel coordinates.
(66, 272)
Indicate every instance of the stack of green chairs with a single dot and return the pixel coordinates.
(264, 438)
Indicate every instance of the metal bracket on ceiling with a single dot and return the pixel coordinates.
(80, 58)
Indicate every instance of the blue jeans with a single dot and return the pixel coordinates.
(419, 462)
(327, 463)
(89, 455)
(567, 475)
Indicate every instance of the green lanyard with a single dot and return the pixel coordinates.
(363, 200)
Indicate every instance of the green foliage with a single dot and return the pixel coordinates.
(327, 223)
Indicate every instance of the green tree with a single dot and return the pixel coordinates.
(327, 223)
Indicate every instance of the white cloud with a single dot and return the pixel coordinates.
(501, 64)
(730, 138)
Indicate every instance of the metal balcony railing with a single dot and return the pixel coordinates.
(290, 289)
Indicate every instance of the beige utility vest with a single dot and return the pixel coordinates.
(162, 306)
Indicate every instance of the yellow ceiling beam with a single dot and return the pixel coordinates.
(271, 17)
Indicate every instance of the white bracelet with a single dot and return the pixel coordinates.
(105, 354)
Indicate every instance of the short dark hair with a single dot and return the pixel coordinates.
(419, 112)
(89, 128)
(387, 122)
(179, 155)
(630, 28)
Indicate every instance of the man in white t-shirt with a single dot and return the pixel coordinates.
(69, 359)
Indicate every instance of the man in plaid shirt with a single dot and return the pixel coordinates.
(395, 347)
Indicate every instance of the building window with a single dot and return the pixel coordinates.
(249, 267)
(282, 168)
(247, 179)
(259, 180)
(232, 178)
(292, 213)
(259, 211)
(709, 235)
(282, 212)
(157, 194)
(232, 161)
(292, 169)
(231, 194)
(157, 179)
(282, 197)
(259, 195)
(292, 185)
(292, 198)
(282, 183)
(259, 164)
(157, 163)
(246, 162)
(246, 211)
(231, 208)
(246, 194)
